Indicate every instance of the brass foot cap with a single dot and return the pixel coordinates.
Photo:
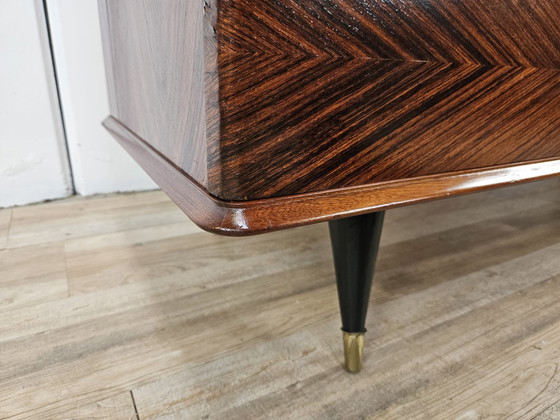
(353, 351)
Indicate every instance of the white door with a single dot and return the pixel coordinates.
(49, 149)
(33, 159)
(99, 164)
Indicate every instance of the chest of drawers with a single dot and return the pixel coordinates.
(258, 116)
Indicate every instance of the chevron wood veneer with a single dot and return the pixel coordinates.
(263, 109)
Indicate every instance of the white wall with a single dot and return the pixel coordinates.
(99, 164)
(33, 161)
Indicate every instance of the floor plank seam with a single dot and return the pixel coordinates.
(134, 405)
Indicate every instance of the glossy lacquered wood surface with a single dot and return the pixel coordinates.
(334, 93)
(265, 215)
(155, 59)
(294, 97)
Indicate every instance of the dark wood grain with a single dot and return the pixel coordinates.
(156, 62)
(266, 215)
(337, 106)
(335, 93)
(293, 97)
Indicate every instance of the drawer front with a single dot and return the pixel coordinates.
(322, 94)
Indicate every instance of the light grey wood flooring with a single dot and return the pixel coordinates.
(118, 307)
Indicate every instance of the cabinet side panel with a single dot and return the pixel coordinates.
(155, 59)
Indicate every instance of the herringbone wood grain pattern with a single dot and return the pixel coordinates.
(335, 93)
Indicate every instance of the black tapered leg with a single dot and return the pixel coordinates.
(355, 242)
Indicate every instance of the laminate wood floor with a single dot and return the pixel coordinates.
(118, 307)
